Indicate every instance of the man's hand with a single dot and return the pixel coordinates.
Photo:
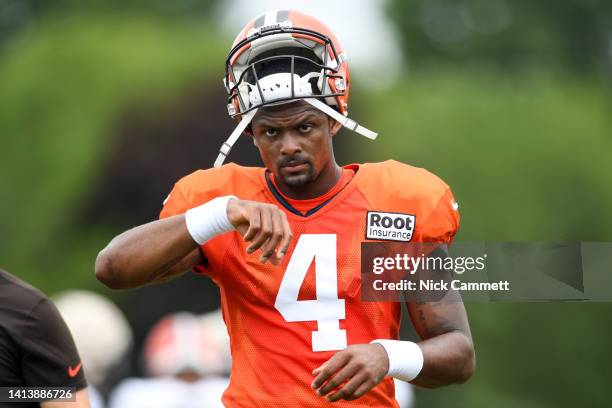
(264, 225)
(352, 372)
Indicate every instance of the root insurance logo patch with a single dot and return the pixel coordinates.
(390, 226)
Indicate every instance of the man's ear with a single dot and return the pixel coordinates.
(249, 132)
(334, 126)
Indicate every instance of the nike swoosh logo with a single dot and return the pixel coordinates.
(455, 205)
(72, 372)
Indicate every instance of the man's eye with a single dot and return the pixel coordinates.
(271, 132)
(305, 128)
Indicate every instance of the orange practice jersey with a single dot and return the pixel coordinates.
(284, 321)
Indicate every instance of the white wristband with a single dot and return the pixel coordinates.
(209, 219)
(405, 358)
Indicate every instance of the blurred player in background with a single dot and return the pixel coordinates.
(187, 359)
(36, 348)
(102, 335)
(283, 242)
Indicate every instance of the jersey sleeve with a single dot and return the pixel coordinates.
(177, 203)
(396, 187)
(442, 223)
(50, 357)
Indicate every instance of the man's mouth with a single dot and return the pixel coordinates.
(295, 166)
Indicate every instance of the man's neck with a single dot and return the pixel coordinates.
(324, 182)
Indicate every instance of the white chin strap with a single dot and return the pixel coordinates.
(229, 143)
(346, 122)
(279, 86)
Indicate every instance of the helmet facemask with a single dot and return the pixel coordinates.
(280, 78)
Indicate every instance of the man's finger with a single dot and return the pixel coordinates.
(287, 237)
(348, 390)
(267, 250)
(337, 380)
(264, 231)
(361, 390)
(254, 224)
(330, 367)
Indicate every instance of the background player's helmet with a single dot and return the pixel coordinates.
(101, 332)
(188, 346)
(313, 59)
(284, 56)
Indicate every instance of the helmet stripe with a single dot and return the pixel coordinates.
(260, 21)
(283, 15)
(270, 17)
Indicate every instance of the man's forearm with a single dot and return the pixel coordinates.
(160, 250)
(145, 253)
(447, 347)
(448, 359)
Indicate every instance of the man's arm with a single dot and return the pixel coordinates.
(448, 351)
(49, 355)
(151, 252)
(164, 249)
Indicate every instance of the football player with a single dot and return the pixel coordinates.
(283, 242)
(36, 349)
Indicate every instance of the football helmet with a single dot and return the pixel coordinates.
(280, 57)
(185, 343)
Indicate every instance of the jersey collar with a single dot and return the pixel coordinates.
(282, 201)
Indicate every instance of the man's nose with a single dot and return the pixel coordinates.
(290, 144)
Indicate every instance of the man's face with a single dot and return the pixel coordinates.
(294, 141)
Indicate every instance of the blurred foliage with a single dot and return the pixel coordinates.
(162, 7)
(15, 15)
(509, 34)
(534, 355)
(62, 90)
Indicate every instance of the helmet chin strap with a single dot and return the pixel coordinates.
(229, 143)
(247, 117)
(346, 122)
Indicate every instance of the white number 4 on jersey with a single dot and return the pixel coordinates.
(327, 309)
